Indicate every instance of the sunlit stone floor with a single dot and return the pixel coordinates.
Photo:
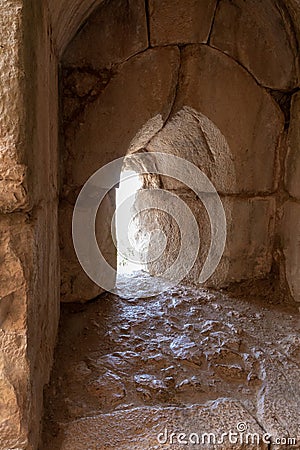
(188, 360)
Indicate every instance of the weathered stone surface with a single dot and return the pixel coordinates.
(250, 235)
(293, 7)
(178, 231)
(144, 87)
(27, 335)
(42, 270)
(193, 137)
(246, 115)
(146, 133)
(80, 82)
(180, 22)
(117, 30)
(195, 359)
(66, 18)
(108, 388)
(13, 195)
(75, 284)
(29, 251)
(68, 15)
(291, 246)
(26, 150)
(278, 403)
(151, 428)
(105, 132)
(13, 390)
(249, 246)
(28, 137)
(292, 174)
(259, 36)
(42, 135)
(15, 238)
(12, 109)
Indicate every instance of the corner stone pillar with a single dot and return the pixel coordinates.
(29, 272)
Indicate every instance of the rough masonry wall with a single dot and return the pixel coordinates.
(108, 101)
(177, 57)
(290, 212)
(29, 271)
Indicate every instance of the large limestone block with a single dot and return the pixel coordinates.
(291, 246)
(16, 251)
(250, 237)
(193, 137)
(43, 104)
(12, 109)
(29, 299)
(292, 175)
(13, 195)
(216, 86)
(13, 390)
(249, 244)
(28, 253)
(28, 108)
(181, 249)
(259, 36)
(15, 240)
(75, 283)
(180, 21)
(144, 88)
(113, 33)
(278, 400)
(42, 308)
(157, 428)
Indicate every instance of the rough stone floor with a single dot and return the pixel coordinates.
(189, 360)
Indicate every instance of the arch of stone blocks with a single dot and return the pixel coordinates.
(34, 36)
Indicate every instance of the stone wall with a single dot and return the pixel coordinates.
(234, 63)
(33, 35)
(29, 304)
(173, 58)
(290, 211)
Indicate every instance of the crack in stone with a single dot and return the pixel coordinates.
(208, 147)
(147, 12)
(253, 416)
(237, 62)
(177, 86)
(212, 22)
(172, 102)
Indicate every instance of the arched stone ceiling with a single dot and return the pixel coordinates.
(67, 16)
